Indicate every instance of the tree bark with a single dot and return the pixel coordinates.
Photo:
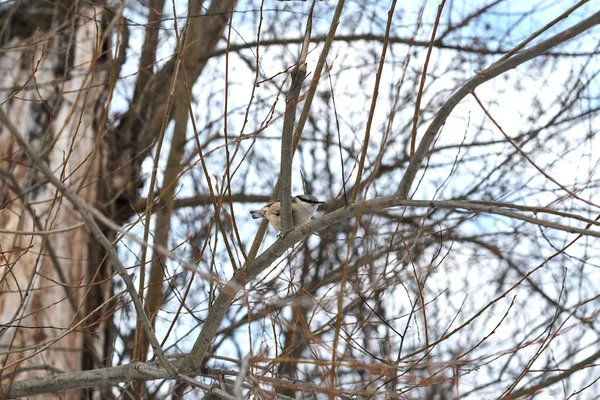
(55, 96)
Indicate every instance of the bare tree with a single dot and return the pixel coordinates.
(453, 144)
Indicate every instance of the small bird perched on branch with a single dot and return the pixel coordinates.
(303, 208)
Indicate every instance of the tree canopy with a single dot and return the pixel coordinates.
(453, 143)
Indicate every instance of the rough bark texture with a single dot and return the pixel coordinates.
(53, 91)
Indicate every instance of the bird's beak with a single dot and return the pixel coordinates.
(257, 214)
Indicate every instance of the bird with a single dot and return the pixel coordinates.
(303, 208)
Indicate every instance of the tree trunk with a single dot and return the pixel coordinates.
(54, 92)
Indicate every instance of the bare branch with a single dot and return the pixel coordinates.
(493, 71)
(252, 269)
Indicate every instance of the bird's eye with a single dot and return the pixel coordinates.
(277, 213)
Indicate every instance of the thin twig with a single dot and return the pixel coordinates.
(423, 76)
(529, 160)
(365, 146)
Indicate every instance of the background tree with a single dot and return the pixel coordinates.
(453, 143)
